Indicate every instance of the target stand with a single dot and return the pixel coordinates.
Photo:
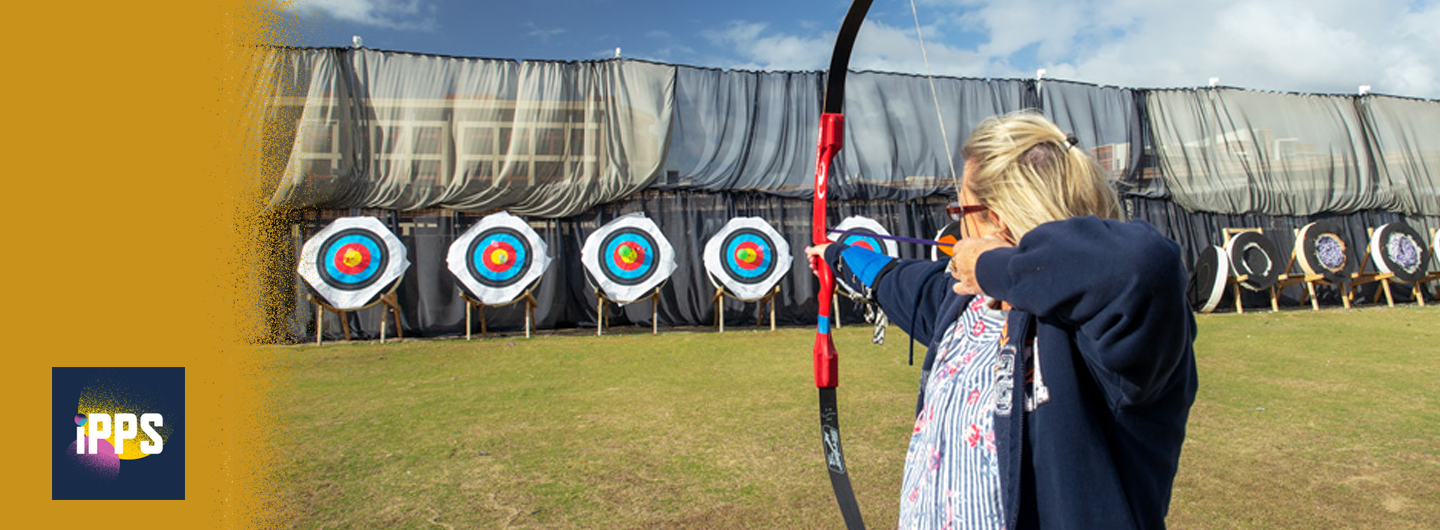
(1253, 282)
(389, 299)
(1383, 278)
(721, 294)
(745, 260)
(472, 303)
(1323, 259)
(601, 315)
(498, 262)
(1287, 279)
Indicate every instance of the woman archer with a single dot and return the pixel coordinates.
(1060, 370)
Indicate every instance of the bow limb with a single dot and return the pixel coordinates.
(827, 377)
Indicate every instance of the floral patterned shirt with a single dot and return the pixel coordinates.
(952, 473)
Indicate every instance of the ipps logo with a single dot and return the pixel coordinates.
(118, 433)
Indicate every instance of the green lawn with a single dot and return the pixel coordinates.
(1304, 420)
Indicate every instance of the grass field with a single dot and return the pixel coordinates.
(1304, 420)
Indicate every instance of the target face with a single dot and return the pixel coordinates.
(1253, 255)
(628, 257)
(352, 260)
(748, 257)
(1207, 279)
(1396, 248)
(865, 225)
(1320, 250)
(498, 258)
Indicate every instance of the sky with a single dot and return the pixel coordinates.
(1318, 46)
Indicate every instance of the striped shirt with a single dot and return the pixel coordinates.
(952, 473)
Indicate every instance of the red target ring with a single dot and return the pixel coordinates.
(748, 255)
(499, 256)
(352, 258)
(628, 256)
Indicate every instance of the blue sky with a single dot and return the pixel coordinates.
(1330, 46)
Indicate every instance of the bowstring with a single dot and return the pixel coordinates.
(935, 96)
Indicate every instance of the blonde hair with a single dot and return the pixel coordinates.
(1026, 171)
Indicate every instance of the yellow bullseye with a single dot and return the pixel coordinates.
(746, 255)
(353, 257)
(628, 255)
(499, 257)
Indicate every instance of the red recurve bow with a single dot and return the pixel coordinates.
(832, 127)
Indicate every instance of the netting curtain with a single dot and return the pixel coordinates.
(1234, 151)
(404, 132)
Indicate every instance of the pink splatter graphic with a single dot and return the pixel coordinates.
(973, 398)
(102, 466)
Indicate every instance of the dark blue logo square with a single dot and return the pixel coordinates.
(118, 433)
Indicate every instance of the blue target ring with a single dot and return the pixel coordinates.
(633, 238)
(757, 273)
(368, 243)
(487, 273)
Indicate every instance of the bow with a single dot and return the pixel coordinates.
(831, 137)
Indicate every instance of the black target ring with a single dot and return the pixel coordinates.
(737, 238)
(1321, 250)
(379, 253)
(1257, 258)
(607, 264)
(1400, 250)
(1207, 279)
(514, 236)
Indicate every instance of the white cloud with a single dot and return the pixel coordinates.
(543, 34)
(877, 47)
(760, 49)
(410, 15)
(1291, 45)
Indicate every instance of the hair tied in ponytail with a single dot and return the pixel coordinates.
(1072, 140)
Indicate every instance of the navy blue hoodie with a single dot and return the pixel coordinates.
(1102, 332)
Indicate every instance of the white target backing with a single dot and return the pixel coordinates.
(352, 260)
(628, 257)
(498, 258)
(748, 257)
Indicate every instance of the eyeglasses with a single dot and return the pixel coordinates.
(958, 211)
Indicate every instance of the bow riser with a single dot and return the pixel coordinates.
(827, 362)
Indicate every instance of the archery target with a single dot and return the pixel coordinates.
(949, 234)
(1253, 255)
(1396, 248)
(748, 257)
(498, 258)
(868, 226)
(628, 257)
(1207, 279)
(352, 260)
(1321, 250)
